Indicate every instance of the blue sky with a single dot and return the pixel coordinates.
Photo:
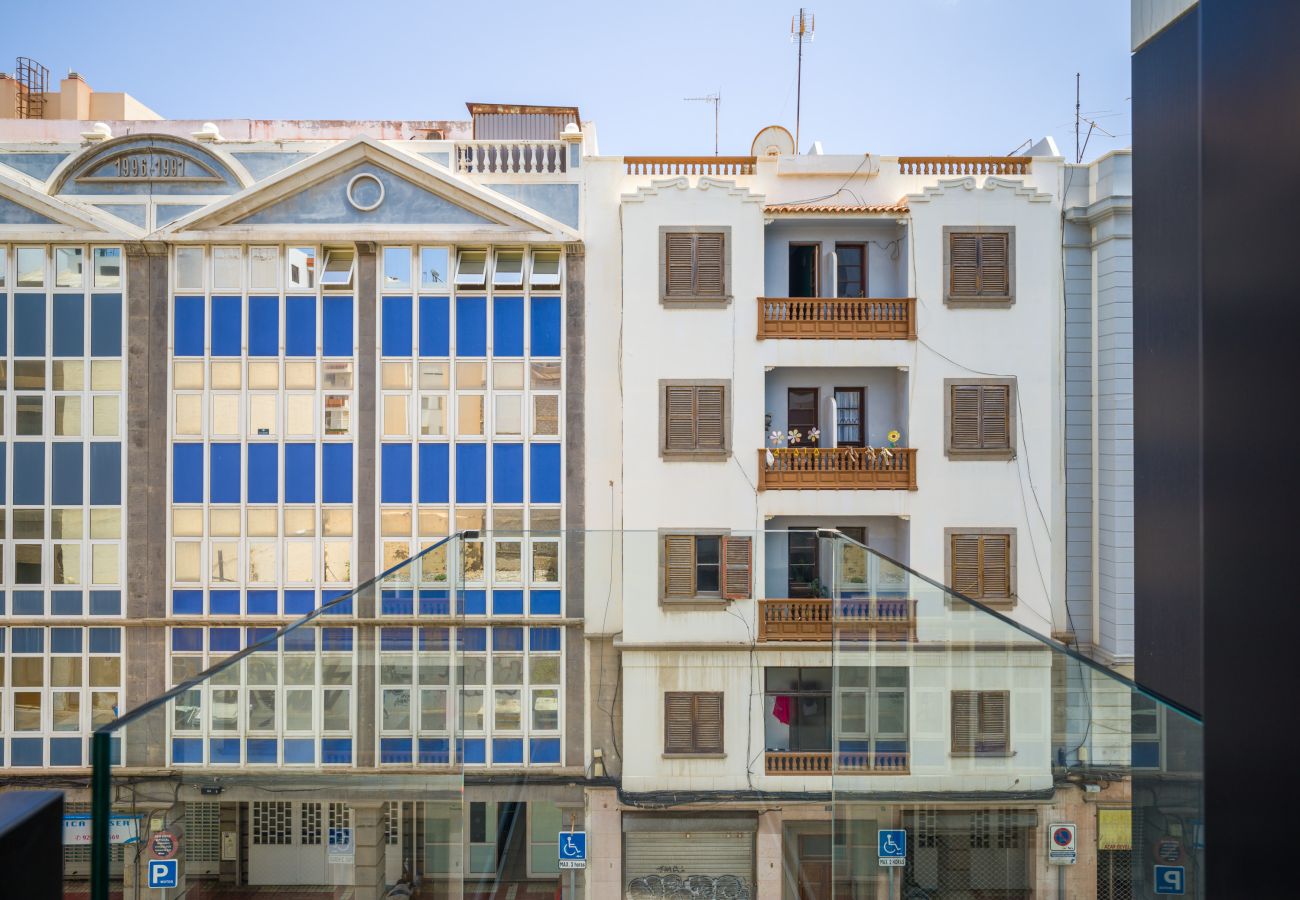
(895, 77)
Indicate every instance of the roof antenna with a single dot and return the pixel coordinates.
(801, 29)
(716, 100)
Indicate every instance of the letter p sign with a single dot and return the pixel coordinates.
(163, 873)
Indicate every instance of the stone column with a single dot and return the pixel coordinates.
(364, 508)
(604, 845)
(369, 846)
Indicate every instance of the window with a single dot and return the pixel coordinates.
(872, 710)
(692, 722)
(471, 269)
(694, 267)
(694, 419)
(433, 268)
(850, 270)
(397, 268)
(546, 269)
(803, 280)
(981, 723)
(979, 266)
(302, 267)
(339, 265)
(797, 708)
(706, 567)
(263, 268)
(981, 563)
(980, 418)
(509, 271)
(189, 268)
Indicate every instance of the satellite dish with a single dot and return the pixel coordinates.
(772, 141)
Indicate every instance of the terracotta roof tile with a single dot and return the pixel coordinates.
(838, 209)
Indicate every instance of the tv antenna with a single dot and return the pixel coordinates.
(801, 29)
(1079, 120)
(716, 100)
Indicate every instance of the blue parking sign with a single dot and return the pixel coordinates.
(573, 850)
(891, 844)
(163, 873)
(1170, 880)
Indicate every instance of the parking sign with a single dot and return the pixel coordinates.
(1170, 880)
(163, 873)
(891, 844)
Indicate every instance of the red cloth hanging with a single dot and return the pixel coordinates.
(781, 710)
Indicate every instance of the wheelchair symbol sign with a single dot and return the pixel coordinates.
(892, 845)
(573, 850)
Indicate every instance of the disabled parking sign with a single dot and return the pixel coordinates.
(891, 844)
(573, 850)
(163, 873)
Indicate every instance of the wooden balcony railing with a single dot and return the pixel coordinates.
(821, 619)
(837, 469)
(689, 165)
(824, 762)
(512, 157)
(963, 165)
(837, 318)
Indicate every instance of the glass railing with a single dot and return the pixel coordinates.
(734, 715)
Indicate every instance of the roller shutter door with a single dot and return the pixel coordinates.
(700, 863)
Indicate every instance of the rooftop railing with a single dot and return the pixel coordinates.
(511, 157)
(964, 165)
(690, 165)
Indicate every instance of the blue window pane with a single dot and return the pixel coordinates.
(336, 751)
(262, 751)
(187, 750)
(544, 640)
(434, 751)
(471, 473)
(26, 752)
(223, 639)
(336, 473)
(544, 603)
(434, 603)
(434, 473)
(223, 473)
(263, 326)
(397, 326)
(4, 448)
(507, 473)
(105, 603)
(471, 640)
(395, 750)
(544, 750)
(187, 640)
(263, 603)
(299, 603)
(544, 486)
(227, 327)
(300, 640)
(27, 640)
(507, 603)
(336, 639)
(65, 751)
(546, 326)
(29, 474)
(65, 640)
(508, 326)
(435, 326)
(223, 603)
(2, 612)
(187, 473)
(343, 607)
(106, 325)
(395, 639)
(105, 640)
(106, 473)
(471, 326)
(29, 324)
(67, 603)
(187, 326)
(299, 473)
(396, 603)
(337, 336)
(435, 638)
(65, 475)
(187, 603)
(224, 750)
(4, 323)
(299, 326)
(69, 325)
(472, 751)
(507, 750)
(507, 639)
(255, 636)
(29, 603)
(473, 603)
(263, 473)
(299, 751)
(395, 473)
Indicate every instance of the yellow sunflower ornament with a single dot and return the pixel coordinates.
(894, 437)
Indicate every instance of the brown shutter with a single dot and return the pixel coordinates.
(679, 711)
(966, 564)
(994, 417)
(679, 264)
(679, 566)
(994, 722)
(708, 723)
(965, 412)
(963, 264)
(710, 418)
(965, 720)
(679, 417)
(738, 566)
(995, 566)
(709, 255)
(993, 271)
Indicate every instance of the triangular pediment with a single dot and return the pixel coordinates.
(364, 184)
(24, 207)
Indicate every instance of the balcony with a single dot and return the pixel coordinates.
(964, 165)
(511, 157)
(689, 165)
(837, 318)
(837, 469)
(815, 619)
(823, 762)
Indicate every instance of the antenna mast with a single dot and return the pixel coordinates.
(801, 29)
(716, 100)
(1077, 157)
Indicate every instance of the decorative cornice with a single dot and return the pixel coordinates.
(991, 183)
(682, 183)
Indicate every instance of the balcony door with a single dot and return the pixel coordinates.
(804, 269)
(802, 563)
(850, 416)
(801, 413)
(851, 270)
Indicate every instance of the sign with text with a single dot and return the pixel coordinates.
(163, 873)
(1062, 849)
(573, 850)
(121, 830)
(891, 846)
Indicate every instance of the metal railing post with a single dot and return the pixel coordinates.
(100, 810)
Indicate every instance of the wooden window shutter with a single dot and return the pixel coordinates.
(994, 734)
(995, 566)
(679, 566)
(994, 278)
(963, 264)
(710, 418)
(679, 264)
(738, 567)
(965, 720)
(994, 417)
(965, 414)
(708, 723)
(679, 413)
(966, 564)
(709, 265)
(679, 720)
